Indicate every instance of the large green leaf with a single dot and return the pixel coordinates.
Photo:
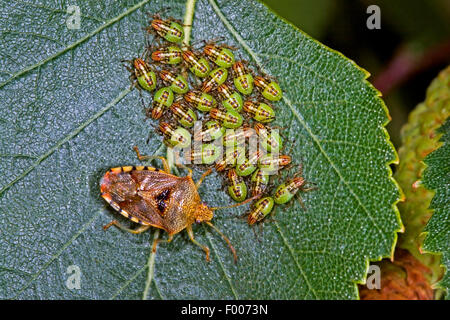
(68, 116)
(437, 177)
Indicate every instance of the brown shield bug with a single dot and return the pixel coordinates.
(153, 197)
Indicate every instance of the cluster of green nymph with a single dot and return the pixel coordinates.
(209, 104)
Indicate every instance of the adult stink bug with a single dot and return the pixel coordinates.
(153, 197)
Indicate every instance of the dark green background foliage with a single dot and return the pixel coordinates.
(437, 177)
(67, 116)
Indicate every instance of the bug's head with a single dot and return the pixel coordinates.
(139, 64)
(252, 218)
(209, 49)
(203, 213)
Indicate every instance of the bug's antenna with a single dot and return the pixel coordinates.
(224, 238)
(195, 43)
(237, 204)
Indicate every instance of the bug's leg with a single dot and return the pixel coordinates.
(172, 19)
(314, 187)
(300, 170)
(198, 83)
(224, 238)
(211, 41)
(138, 230)
(148, 48)
(229, 47)
(184, 65)
(184, 72)
(168, 240)
(181, 165)
(301, 202)
(272, 219)
(261, 231)
(254, 232)
(131, 77)
(155, 244)
(154, 15)
(158, 240)
(129, 69)
(280, 131)
(204, 175)
(193, 44)
(142, 158)
(289, 204)
(150, 134)
(299, 198)
(243, 216)
(189, 170)
(191, 236)
(310, 189)
(135, 84)
(160, 12)
(148, 30)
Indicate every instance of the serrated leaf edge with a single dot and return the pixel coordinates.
(425, 233)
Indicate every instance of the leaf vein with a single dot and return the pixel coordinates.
(64, 140)
(75, 44)
(233, 290)
(57, 254)
(297, 263)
